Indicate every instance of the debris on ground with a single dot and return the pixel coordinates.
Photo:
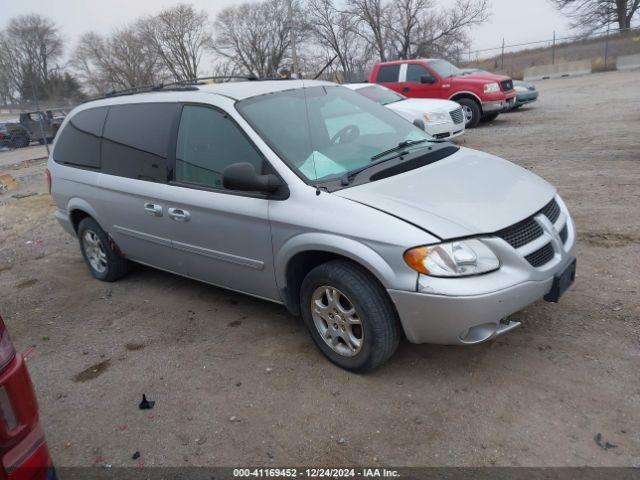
(23, 195)
(234, 419)
(146, 404)
(616, 306)
(603, 444)
(342, 441)
(135, 456)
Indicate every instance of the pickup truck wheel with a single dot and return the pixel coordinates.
(490, 117)
(472, 112)
(100, 254)
(20, 141)
(349, 315)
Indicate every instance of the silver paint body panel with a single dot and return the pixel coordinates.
(245, 243)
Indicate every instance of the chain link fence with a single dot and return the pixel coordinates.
(602, 50)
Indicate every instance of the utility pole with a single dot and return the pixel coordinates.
(553, 49)
(292, 39)
(606, 48)
(502, 56)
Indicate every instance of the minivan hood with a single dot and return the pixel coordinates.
(467, 193)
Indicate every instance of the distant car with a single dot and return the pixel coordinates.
(525, 93)
(23, 449)
(41, 124)
(441, 118)
(14, 135)
(482, 95)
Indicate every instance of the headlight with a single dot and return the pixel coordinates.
(452, 259)
(491, 88)
(519, 88)
(433, 117)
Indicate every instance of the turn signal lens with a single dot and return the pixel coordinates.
(452, 259)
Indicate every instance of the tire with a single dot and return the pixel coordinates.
(100, 253)
(370, 343)
(490, 117)
(20, 141)
(472, 112)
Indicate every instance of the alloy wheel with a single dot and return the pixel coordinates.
(94, 250)
(337, 321)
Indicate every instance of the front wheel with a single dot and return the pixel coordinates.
(100, 254)
(349, 315)
(472, 112)
(490, 117)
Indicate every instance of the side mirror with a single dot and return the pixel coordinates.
(242, 176)
(427, 79)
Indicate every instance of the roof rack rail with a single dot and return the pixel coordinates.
(179, 85)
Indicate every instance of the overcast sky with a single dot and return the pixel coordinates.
(517, 21)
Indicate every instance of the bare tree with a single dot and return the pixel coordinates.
(404, 23)
(591, 15)
(372, 15)
(29, 46)
(335, 30)
(255, 36)
(444, 32)
(123, 59)
(180, 36)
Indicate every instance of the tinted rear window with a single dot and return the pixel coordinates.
(388, 74)
(79, 141)
(136, 140)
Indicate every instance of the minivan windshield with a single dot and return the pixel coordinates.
(325, 132)
(444, 68)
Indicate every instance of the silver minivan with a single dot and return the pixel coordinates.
(310, 195)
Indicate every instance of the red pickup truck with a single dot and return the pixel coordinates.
(481, 95)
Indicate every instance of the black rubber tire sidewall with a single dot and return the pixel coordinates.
(117, 266)
(476, 112)
(379, 318)
(490, 117)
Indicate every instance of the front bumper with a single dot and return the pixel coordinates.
(503, 105)
(470, 310)
(444, 129)
(526, 97)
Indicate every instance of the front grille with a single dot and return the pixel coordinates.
(506, 85)
(564, 234)
(551, 210)
(541, 256)
(457, 116)
(521, 233)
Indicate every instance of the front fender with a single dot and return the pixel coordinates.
(346, 247)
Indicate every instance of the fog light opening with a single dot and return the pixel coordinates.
(478, 334)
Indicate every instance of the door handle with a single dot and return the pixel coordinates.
(405, 89)
(152, 209)
(179, 215)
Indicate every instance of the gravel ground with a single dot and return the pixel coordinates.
(237, 381)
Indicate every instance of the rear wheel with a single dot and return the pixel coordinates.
(490, 117)
(472, 112)
(20, 141)
(100, 254)
(349, 315)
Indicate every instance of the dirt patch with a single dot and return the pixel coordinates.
(235, 323)
(134, 346)
(603, 239)
(92, 372)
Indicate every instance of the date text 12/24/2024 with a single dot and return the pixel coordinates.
(315, 473)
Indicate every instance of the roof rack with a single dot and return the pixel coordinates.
(180, 85)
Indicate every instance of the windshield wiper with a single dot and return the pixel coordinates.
(400, 146)
(349, 176)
